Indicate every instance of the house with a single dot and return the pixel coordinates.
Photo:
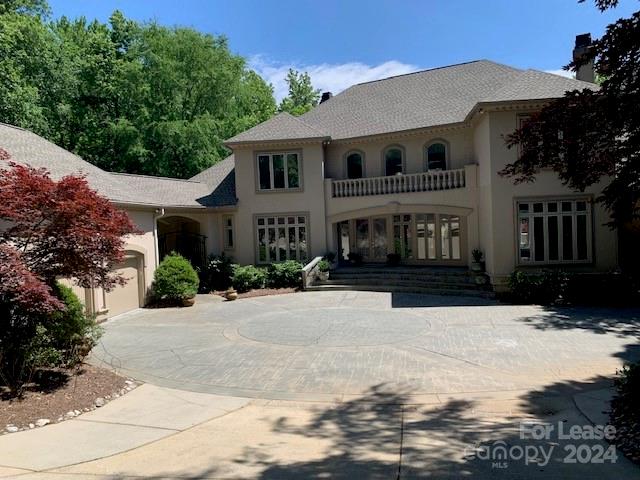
(405, 165)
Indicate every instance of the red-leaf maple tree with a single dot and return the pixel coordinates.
(61, 228)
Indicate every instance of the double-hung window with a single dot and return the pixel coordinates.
(279, 171)
(554, 231)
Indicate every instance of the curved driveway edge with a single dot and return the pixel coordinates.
(146, 414)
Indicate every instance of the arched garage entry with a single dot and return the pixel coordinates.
(182, 235)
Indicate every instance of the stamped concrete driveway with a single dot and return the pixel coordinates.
(338, 345)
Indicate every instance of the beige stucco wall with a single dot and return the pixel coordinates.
(460, 143)
(497, 194)
(251, 202)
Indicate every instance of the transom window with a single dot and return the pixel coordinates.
(436, 156)
(393, 161)
(355, 165)
(554, 231)
(281, 238)
(278, 171)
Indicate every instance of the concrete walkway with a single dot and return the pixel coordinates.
(162, 433)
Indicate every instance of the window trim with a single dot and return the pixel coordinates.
(225, 228)
(271, 153)
(307, 224)
(447, 150)
(345, 173)
(548, 199)
(384, 158)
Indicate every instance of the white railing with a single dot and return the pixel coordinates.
(412, 182)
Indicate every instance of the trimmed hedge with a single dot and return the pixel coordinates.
(248, 278)
(175, 279)
(72, 333)
(555, 286)
(284, 275)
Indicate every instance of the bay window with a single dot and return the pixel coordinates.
(554, 231)
(278, 171)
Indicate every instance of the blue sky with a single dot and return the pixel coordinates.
(342, 42)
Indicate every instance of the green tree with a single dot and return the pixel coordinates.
(25, 66)
(302, 96)
(128, 97)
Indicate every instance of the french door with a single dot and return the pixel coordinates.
(419, 238)
(370, 238)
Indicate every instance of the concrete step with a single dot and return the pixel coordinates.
(395, 277)
(403, 270)
(403, 283)
(403, 289)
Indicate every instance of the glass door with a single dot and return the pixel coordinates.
(362, 237)
(379, 239)
(403, 236)
(344, 240)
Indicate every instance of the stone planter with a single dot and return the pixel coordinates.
(323, 276)
(188, 302)
(480, 279)
(477, 267)
(231, 295)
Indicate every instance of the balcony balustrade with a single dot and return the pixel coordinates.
(409, 183)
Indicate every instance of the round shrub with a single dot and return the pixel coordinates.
(73, 334)
(175, 279)
(284, 275)
(247, 278)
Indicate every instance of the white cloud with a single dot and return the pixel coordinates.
(562, 73)
(327, 77)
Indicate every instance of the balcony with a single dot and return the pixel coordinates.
(409, 183)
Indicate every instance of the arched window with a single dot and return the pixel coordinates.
(437, 156)
(393, 161)
(355, 165)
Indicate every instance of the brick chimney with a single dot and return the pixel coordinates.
(584, 72)
(325, 96)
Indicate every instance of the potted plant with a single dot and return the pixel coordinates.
(393, 259)
(332, 259)
(477, 265)
(323, 270)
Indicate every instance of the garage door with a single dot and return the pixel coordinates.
(125, 297)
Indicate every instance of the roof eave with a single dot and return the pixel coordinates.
(121, 203)
(278, 141)
(507, 104)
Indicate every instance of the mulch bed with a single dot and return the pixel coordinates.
(261, 292)
(626, 419)
(57, 393)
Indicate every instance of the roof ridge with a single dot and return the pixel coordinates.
(424, 70)
(155, 177)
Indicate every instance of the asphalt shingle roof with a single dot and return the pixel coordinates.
(221, 180)
(27, 148)
(439, 96)
(283, 126)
